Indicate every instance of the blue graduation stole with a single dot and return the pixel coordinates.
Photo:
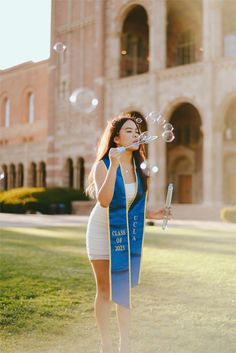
(126, 228)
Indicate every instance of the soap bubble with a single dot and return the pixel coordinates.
(168, 127)
(99, 81)
(155, 117)
(160, 120)
(84, 100)
(152, 117)
(147, 169)
(59, 47)
(138, 120)
(143, 165)
(168, 136)
(155, 169)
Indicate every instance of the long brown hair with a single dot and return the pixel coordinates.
(107, 142)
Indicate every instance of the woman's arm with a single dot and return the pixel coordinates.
(105, 183)
(105, 179)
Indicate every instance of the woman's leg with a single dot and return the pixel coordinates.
(102, 302)
(123, 316)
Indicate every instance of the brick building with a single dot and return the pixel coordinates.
(177, 57)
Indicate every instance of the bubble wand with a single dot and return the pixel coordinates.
(167, 204)
(144, 138)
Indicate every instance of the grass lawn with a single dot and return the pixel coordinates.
(185, 304)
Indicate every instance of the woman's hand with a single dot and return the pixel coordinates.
(114, 155)
(160, 213)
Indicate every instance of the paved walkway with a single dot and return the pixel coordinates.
(39, 220)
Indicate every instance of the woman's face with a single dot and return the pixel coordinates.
(128, 134)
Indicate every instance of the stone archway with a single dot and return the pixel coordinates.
(184, 155)
(134, 47)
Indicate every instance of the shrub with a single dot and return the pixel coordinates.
(44, 200)
(228, 214)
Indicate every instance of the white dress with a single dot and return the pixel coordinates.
(97, 237)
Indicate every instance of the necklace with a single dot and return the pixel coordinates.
(128, 170)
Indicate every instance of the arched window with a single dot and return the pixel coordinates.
(7, 112)
(69, 173)
(134, 43)
(42, 174)
(80, 173)
(33, 174)
(30, 110)
(184, 32)
(185, 51)
(12, 176)
(20, 175)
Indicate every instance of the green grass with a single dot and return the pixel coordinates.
(185, 303)
(46, 279)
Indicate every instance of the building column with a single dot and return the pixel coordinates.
(157, 157)
(217, 29)
(157, 35)
(207, 158)
(157, 57)
(212, 29)
(99, 62)
(114, 55)
(212, 45)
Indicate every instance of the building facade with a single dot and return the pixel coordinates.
(177, 57)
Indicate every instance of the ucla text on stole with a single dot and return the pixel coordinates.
(119, 233)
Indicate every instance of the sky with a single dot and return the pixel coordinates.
(24, 31)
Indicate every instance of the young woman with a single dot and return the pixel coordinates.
(115, 228)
